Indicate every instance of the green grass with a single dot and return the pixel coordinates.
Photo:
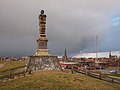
(116, 75)
(2, 62)
(98, 72)
(53, 80)
(11, 64)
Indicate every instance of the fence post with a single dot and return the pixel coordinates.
(29, 72)
(9, 73)
(112, 80)
(72, 69)
(24, 73)
(85, 70)
(100, 76)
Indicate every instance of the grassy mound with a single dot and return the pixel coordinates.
(53, 80)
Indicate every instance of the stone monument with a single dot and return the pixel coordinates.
(42, 60)
(42, 39)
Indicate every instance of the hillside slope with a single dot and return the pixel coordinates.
(54, 80)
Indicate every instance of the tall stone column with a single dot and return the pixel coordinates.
(42, 40)
(41, 59)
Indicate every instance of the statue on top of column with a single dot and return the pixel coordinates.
(42, 12)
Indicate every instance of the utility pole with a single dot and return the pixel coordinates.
(96, 47)
(96, 44)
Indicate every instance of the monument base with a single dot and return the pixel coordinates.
(43, 63)
(42, 52)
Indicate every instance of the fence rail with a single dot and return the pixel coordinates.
(13, 68)
(97, 75)
(11, 73)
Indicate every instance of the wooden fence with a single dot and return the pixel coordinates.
(97, 75)
(13, 72)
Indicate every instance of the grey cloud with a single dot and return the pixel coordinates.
(71, 24)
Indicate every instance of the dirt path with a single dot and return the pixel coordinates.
(1, 65)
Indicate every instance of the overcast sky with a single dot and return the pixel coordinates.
(71, 24)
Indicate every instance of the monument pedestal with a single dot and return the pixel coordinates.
(43, 63)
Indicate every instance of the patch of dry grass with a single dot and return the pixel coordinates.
(54, 80)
